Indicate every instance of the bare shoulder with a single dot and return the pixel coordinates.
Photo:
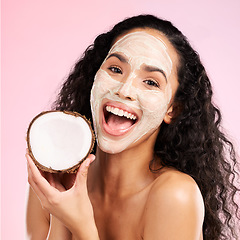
(175, 208)
(177, 185)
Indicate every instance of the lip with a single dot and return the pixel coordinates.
(124, 107)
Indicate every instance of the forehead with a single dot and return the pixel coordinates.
(138, 41)
(141, 47)
(158, 35)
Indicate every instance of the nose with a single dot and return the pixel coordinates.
(126, 91)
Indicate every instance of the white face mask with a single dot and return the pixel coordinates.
(132, 102)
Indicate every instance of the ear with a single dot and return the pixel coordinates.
(169, 115)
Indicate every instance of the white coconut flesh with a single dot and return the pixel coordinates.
(60, 140)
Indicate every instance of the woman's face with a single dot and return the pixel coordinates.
(133, 89)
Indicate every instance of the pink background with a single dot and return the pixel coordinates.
(42, 39)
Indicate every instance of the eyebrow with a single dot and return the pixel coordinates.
(119, 56)
(147, 68)
(155, 69)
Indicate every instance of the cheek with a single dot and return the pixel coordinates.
(150, 101)
(154, 105)
(154, 101)
(154, 108)
(103, 83)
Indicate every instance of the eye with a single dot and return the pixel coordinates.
(115, 70)
(152, 83)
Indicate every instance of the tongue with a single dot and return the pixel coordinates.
(119, 123)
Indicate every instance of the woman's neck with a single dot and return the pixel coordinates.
(122, 174)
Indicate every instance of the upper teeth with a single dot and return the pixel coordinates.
(120, 112)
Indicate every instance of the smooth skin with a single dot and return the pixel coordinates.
(116, 197)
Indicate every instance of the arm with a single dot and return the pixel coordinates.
(71, 207)
(174, 210)
(37, 219)
(58, 230)
(39, 226)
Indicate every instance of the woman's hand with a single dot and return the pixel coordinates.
(72, 207)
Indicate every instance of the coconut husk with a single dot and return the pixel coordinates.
(68, 170)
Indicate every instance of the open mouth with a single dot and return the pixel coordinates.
(118, 121)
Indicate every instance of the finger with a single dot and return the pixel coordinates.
(34, 187)
(54, 181)
(51, 179)
(68, 180)
(44, 174)
(81, 176)
(39, 180)
(57, 182)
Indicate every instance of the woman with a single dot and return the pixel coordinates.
(161, 171)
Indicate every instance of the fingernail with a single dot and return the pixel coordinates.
(93, 157)
(28, 167)
(28, 158)
(88, 161)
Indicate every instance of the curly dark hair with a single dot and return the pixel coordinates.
(193, 143)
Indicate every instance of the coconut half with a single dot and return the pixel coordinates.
(59, 141)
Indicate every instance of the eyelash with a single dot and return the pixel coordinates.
(149, 82)
(152, 83)
(116, 70)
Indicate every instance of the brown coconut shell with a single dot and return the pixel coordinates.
(69, 170)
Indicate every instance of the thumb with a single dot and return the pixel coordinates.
(81, 177)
